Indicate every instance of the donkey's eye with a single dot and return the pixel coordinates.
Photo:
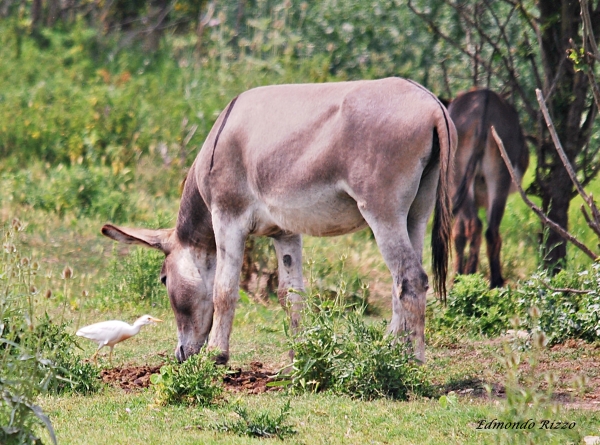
(163, 279)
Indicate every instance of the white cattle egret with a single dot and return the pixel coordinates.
(109, 333)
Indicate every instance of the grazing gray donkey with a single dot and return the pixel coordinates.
(316, 159)
(481, 178)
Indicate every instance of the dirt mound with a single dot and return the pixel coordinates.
(135, 377)
(253, 381)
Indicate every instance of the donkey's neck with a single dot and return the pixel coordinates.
(194, 222)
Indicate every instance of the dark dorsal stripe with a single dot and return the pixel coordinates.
(227, 113)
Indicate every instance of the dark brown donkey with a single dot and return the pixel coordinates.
(481, 178)
(318, 159)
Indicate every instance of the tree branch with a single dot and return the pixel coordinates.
(565, 289)
(548, 222)
(564, 158)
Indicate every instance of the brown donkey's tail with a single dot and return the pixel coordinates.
(442, 216)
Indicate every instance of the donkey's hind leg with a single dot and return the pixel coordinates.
(473, 229)
(498, 182)
(495, 212)
(410, 282)
(289, 262)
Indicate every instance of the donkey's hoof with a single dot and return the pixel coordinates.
(222, 358)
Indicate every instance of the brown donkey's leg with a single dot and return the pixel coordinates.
(494, 241)
(460, 242)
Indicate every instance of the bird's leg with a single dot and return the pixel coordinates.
(95, 356)
(110, 356)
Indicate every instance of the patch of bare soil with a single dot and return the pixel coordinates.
(129, 378)
(571, 363)
(253, 380)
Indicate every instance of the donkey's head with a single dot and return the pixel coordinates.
(188, 274)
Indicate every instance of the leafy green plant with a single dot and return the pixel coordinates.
(197, 381)
(474, 308)
(569, 304)
(338, 350)
(529, 395)
(71, 373)
(25, 370)
(260, 424)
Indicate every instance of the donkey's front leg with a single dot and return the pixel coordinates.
(230, 239)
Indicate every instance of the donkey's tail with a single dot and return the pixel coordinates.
(442, 216)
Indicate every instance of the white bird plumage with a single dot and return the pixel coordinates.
(109, 333)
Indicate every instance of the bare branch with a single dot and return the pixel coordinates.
(563, 157)
(439, 32)
(565, 289)
(507, 61)
(591, 224)
(545, 220)
(588, 30)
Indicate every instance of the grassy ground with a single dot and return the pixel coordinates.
(456, 363)
(118, 417)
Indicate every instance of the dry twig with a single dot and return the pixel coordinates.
(548, 222)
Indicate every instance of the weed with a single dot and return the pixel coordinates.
(25, 370)
(71, 374)
(258, 425)
(569, 304)
(197, 381)
(529, 395)
(474, 308)
(338, 350)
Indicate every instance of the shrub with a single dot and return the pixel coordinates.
(78, 190)
(338, 350)
(197, 381)
(71, 374)
(474, 308)
(569, 304)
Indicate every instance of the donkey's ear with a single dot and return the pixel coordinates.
(157, 239)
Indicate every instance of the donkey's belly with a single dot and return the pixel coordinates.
(317, 216)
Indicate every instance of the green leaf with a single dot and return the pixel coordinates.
(44, 418)
(244, 297)
(279, 383)
(443, 402)
(155, 379)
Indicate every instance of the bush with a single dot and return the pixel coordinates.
(569, 304)
(472, 307)
(338, 350)
(197, 381)
(78, 190)
(71, 374)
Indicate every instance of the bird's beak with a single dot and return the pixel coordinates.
(156, 320)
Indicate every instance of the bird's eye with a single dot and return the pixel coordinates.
(163, 279)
